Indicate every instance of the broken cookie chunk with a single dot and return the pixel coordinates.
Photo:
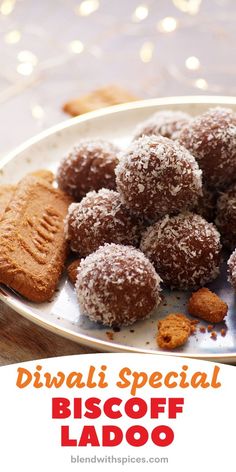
(173, 331)
(72, 270)
(207, 305)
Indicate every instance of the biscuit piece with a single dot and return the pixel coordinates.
(207, 305)
(32, 244)
(173, 331)
(100, 98)
(6, 194)
(72, 270)
(44, 174)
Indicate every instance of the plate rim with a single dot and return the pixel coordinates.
(139, 104)
(106, 346)
(80, 338)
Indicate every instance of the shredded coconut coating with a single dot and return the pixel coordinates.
(211, 139)
(117, 285)
(89, 166)
(232, 269)
(206, 206)
(101, 218)
(226, 217)
(184, 249)
(167, 123)
(157, 176)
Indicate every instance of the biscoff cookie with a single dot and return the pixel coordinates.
(173, 331)
(6, 194)
(207, 305)
(32, 245)
(44, 174)
(100, 98)
(72, 270)
(7, 191)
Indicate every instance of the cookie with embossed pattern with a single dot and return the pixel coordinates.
(100, 98)
(44, 174)
(32, 244)
(6, 194)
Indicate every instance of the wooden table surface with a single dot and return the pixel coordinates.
(21, 340)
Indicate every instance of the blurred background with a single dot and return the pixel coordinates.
(56, 50)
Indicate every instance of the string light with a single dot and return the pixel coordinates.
(7, 6)
(87, 7)
(76, 46)
(12, 37)
(140, 13)
(188, 6)
(27, 57)
(201, 84)
(28, 61)
(37, 112)
(25, 68)
(146, 52)
(167, 24)
(192, 63)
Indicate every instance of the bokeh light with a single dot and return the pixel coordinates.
(167, 24)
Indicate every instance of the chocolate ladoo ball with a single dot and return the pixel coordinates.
(100, 218)
(89, 166)
(117, 285)
(167, 123)
(232, 269)
(211, 139)
(184, 249)
(156, 176)
(206, 205)
(226, 217)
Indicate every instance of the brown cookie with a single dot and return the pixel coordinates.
(207, 305)
(44, 174)
(173, 331)
(100, 98)
(32, 243)
(6, 194)
(72, 270)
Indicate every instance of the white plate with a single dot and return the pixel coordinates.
(62, 315)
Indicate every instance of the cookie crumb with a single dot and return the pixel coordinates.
(202, 329)
(223, 332)
(210, 328)
(213, 335)
(193, 329)
(110, 335)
